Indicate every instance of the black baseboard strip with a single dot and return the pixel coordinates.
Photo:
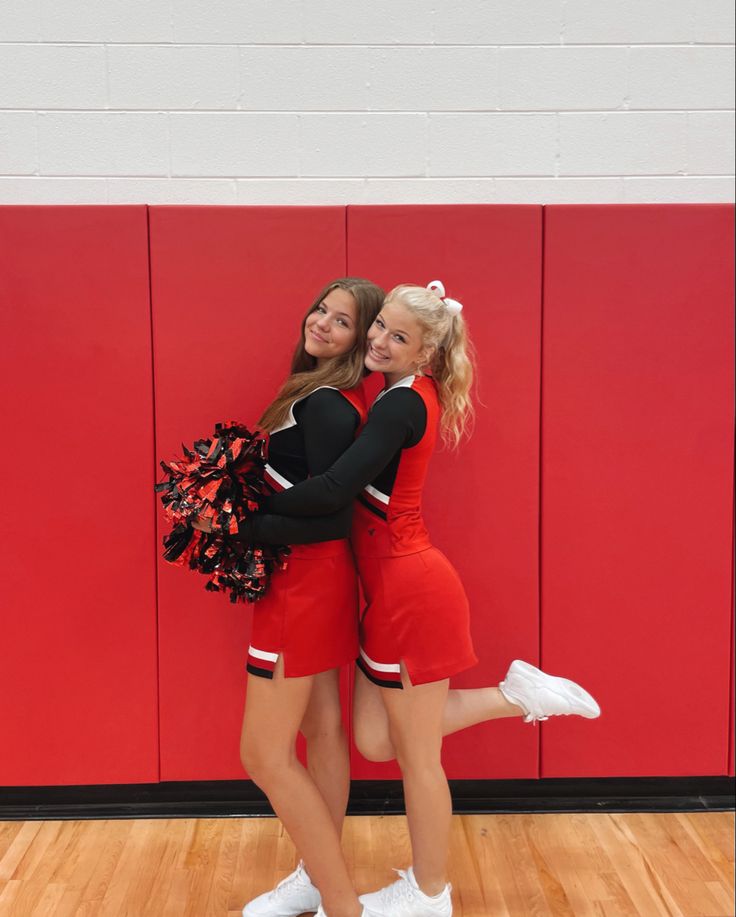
(242, 799)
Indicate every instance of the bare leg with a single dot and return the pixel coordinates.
(415, 725)
(464, 707)
(273, 711)
(469, 706)
(328, 753)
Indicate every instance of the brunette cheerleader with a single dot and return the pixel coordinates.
(306, 626)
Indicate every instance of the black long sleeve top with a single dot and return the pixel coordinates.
(397, 421)
(325, 427)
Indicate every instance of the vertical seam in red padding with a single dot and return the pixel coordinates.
(542, 256)
(351, 671)
(155, 505)
(731, 726)
(347, 273)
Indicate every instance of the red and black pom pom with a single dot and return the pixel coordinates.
(221, 480)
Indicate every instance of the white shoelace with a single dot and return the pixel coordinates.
(285, 885)
(402, 890)
(530, 718)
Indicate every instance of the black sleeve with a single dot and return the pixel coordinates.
(328, 423)
(268, 528)
(398, 420)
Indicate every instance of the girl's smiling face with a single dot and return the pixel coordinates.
(331, 329)
(395, 343)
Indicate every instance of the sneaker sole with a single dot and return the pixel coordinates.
(308, 911)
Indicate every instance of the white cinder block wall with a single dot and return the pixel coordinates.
(339, 101)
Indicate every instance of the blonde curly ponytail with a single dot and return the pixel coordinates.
(453, 356)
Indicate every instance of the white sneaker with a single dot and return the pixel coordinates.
(542, 696)
(405, 899)
(293, 896)
(364, 913)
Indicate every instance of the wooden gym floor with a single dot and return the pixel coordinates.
(521, 865)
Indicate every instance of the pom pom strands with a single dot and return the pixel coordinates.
(217, 475)
(219, 480)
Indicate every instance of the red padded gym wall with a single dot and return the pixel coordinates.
(733, 666)
(78, 694)
(230, 286)
(637, 485)
(481, 503)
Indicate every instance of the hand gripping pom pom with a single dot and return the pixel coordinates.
(220, 480)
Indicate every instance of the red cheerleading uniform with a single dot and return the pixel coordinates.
(416, 608)
(309, 613)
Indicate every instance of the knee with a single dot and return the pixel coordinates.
(372, 744)
(252, 759)
(262, 761)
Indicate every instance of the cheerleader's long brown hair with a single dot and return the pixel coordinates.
(345, 371)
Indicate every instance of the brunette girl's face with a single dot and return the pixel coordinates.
(395, 343)
(331, 329)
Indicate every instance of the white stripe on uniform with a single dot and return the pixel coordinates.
(279, 478)
(378, 666)
(262, 654)
(377, 494)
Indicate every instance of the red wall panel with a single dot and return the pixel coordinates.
(637, 484)
(230, 286)
(637, 465)
(78, 692)
(481, 504)
(733, 666)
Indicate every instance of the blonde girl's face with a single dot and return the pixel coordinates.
(395, 343)
(331, 329)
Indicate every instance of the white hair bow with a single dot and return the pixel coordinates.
(453, 306)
